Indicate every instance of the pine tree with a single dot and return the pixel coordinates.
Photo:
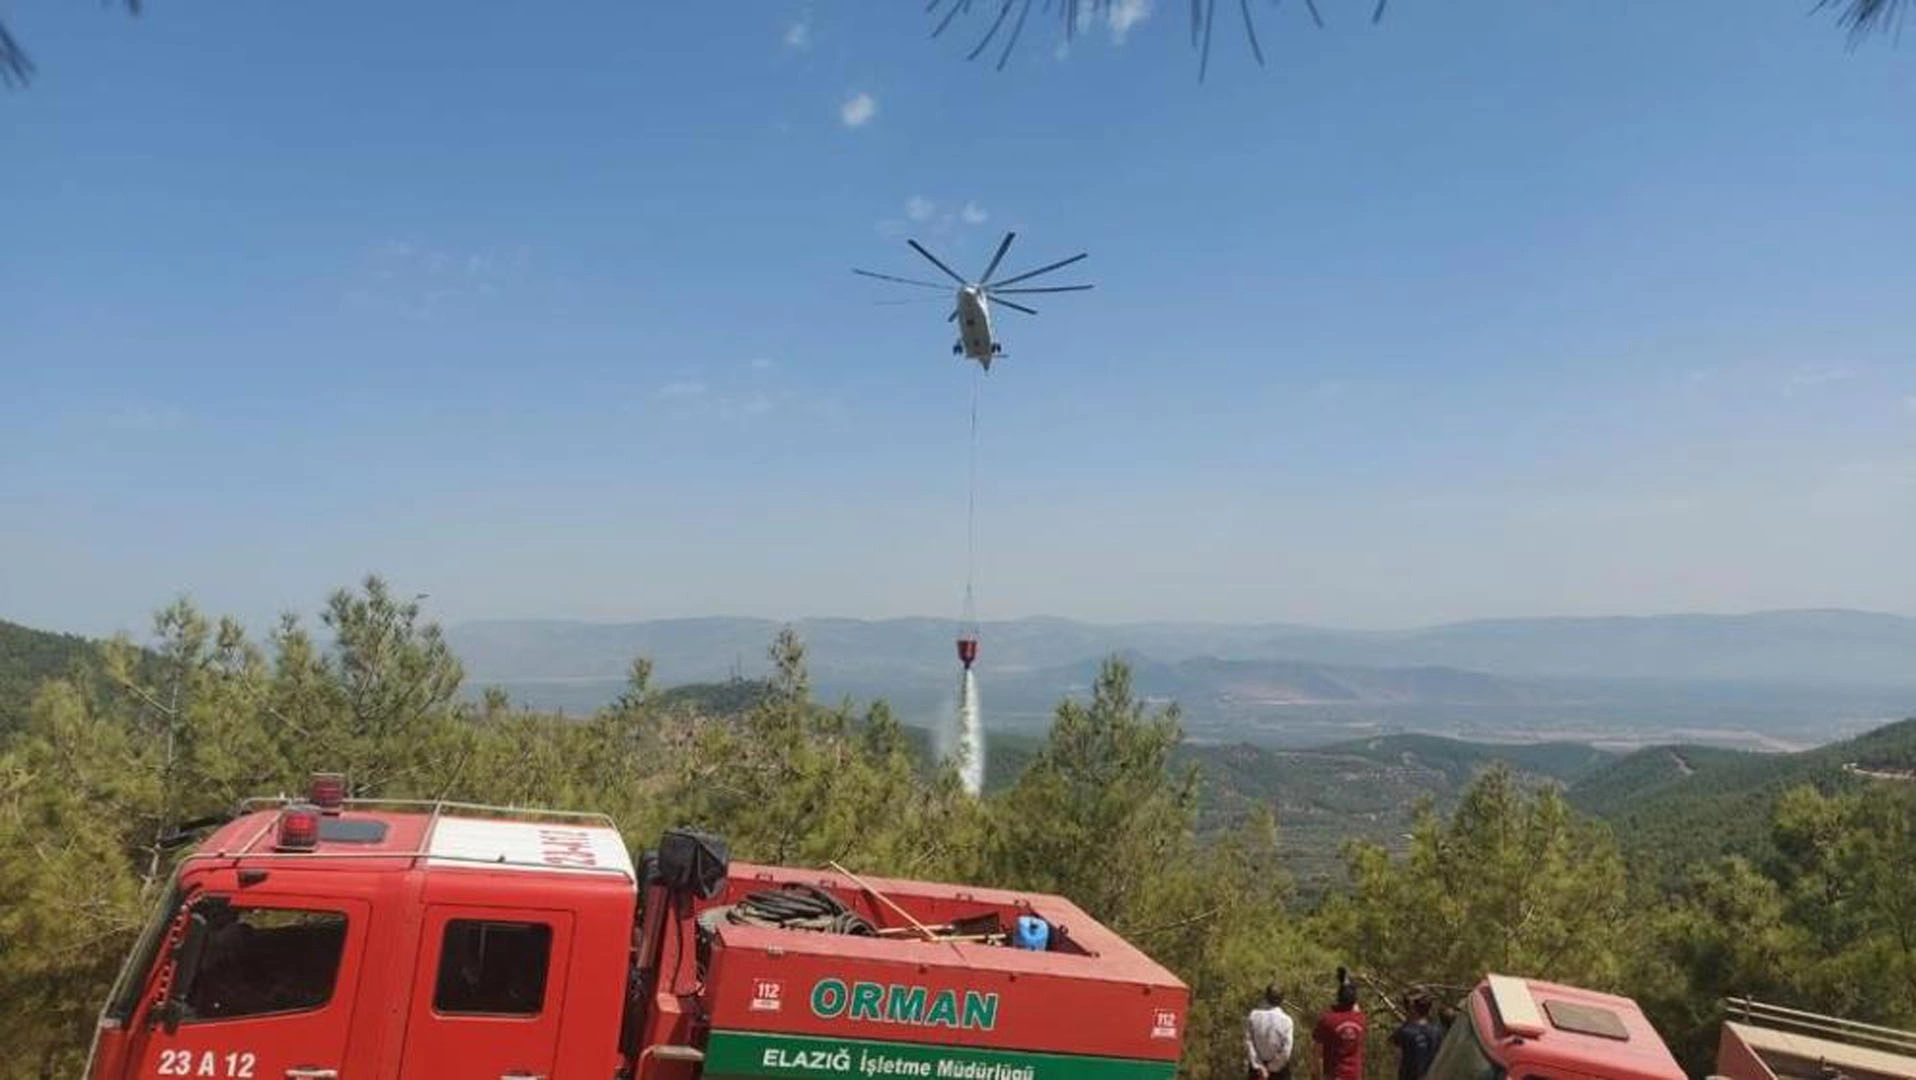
(796, 783)
(1510, 882)
(78, 795)
(1844, 872)
(1098, 811)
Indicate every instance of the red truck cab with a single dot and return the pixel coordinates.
(343, 940)
(1523, 1029)
(441, 941)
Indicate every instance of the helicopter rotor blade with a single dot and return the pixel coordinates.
(949, 15)
(1003, 246)
(953, 274)
(1046, 269)
(902, 280)
(1015, 307)
(1039, 288)
(953, 317)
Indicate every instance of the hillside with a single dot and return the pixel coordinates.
(1672, 806)
(1322, 798)
(26, 657)
(728, 698)
(1653, 771)
(1367, 789)
(1460, 760)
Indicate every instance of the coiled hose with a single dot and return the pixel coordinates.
(791, 907)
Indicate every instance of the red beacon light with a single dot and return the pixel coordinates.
(298, 828)
(327, 792)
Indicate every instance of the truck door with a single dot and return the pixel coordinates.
(268, 995)
(487, 994)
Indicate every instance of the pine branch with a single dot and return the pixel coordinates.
(1863, 18)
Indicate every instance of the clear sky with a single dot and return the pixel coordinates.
(1499, 308)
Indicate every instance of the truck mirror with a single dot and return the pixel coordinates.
(201, 920)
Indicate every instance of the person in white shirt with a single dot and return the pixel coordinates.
(1269, 1035)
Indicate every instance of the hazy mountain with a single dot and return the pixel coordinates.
(1830, 647)
(707, 648)
(1774, 679)
(1852, 648)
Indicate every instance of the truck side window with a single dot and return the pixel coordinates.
(268, 960)
(493, 968)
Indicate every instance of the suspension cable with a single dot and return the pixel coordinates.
(971, 509)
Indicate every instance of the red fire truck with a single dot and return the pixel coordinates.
(334, 939)
(1522, 1029)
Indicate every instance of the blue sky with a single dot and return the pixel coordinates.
(1499, 308)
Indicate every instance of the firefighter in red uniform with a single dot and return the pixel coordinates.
(1340, 1035)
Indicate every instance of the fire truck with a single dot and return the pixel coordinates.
(327, 938)
(1525, 1029)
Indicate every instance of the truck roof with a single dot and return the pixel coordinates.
(1570, 1029)
(436, 836)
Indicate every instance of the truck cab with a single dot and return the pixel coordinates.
(313, 942)
(1522, 1029)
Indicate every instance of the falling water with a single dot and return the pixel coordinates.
(971, 736)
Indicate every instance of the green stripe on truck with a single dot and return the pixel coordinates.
(799, 1057)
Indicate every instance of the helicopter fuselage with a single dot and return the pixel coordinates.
(971, 307)
(974, 327)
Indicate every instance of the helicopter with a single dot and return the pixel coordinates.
(971, 308)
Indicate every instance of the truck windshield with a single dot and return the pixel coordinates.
(1462, 1055)
(126, 990)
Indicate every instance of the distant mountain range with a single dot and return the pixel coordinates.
(1827, 646)
(1771, 678)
